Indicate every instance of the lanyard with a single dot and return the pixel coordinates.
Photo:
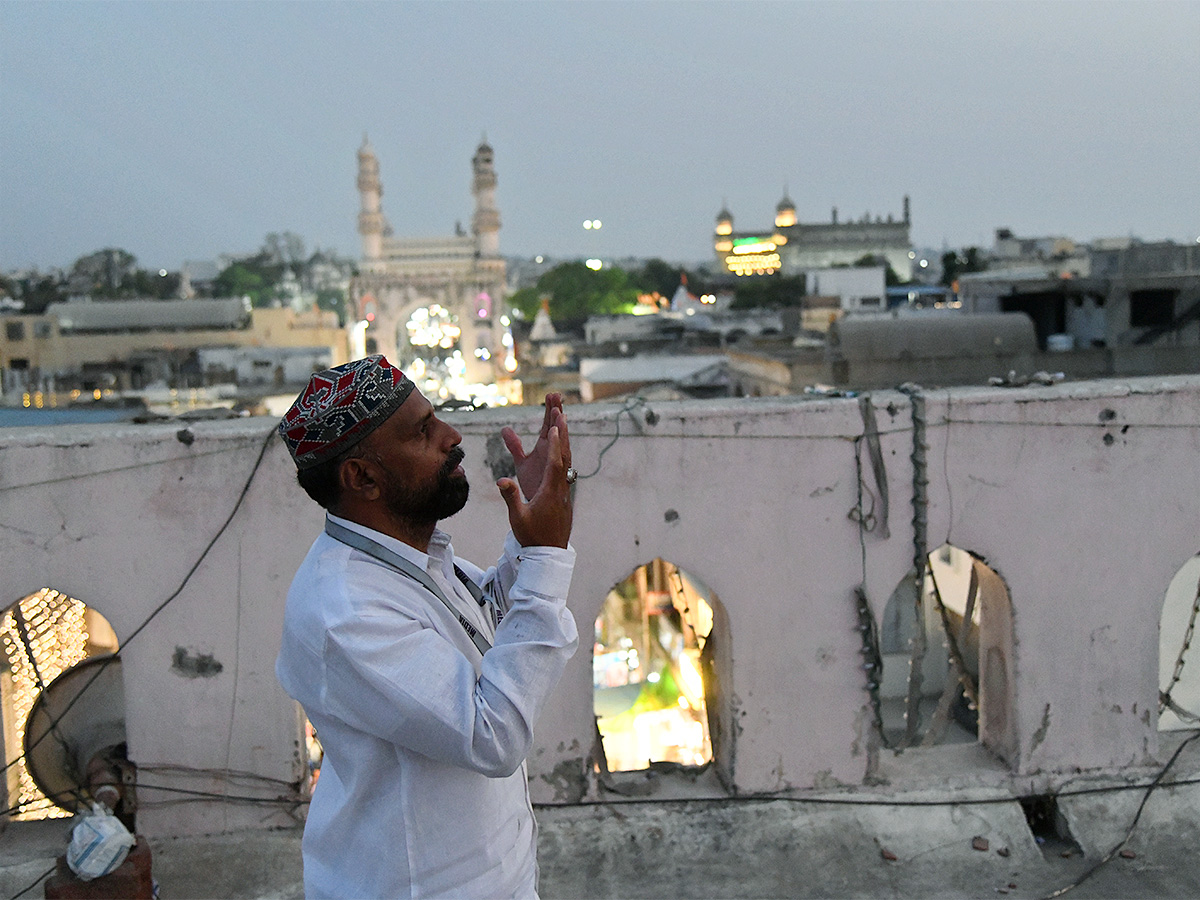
(405, 567)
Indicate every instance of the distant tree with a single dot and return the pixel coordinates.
(258, 276)
(240, 280)
(870, 260)
(333, 300)
(660, 276)
(283, 249)
(960, 262)
(771, 291)
(37, 292)
(152, 284)
(577, 292)
(103, 273)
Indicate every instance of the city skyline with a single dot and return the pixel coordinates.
(184, 130)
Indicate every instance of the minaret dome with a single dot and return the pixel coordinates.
(785, 212)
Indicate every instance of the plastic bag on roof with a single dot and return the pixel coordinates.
(99, 843)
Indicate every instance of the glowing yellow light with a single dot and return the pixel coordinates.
(689, 678)
(96, 395)
(757, 247)
(433, 327)
(57, 637)
(594, 264)
(785, 218)
(25, 400)
(723, 246)
(725, 227)
(753, 264)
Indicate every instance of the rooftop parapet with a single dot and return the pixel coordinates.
(800, 517)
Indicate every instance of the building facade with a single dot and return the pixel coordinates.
(790, 246)
(131, 344)
(433, 305)
(1141, 295)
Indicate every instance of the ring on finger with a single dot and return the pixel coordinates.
(572, 475)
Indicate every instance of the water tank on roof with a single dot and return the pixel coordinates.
(931, 336)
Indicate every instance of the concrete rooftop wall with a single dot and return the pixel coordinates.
(1083, 498)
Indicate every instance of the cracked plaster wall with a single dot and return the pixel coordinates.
(1085, 519)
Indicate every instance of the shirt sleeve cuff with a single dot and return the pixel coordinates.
(542, 570)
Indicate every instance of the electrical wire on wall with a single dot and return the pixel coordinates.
(158, 609)
(1111, 854)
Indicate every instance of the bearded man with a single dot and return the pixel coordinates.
(421, 673)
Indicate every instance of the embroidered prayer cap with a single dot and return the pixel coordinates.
(340, 407)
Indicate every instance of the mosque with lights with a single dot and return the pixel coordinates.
(791, 247)
(434, 305)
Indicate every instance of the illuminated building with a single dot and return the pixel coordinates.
(790, 247)
(434, 305)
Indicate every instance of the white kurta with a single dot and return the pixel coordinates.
(423, 790)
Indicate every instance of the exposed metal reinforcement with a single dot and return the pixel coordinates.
(920, 523)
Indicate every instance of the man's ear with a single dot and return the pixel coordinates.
(357, 477)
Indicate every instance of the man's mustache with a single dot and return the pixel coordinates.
(452, 461)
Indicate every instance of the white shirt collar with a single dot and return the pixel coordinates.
(439, 543)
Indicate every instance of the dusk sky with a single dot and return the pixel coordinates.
(182, 130)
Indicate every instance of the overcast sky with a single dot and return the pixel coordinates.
(181, 130)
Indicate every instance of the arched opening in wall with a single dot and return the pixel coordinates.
(62, 747)
(933, 689)
(1178, 659)
(430, 351)
(653, 670)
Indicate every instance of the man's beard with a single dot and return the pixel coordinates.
(426, 505)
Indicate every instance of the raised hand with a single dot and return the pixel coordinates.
(531, 466)
(544, 520)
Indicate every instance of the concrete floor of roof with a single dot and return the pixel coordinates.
(738, 849)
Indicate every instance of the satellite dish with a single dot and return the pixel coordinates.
(79, 730)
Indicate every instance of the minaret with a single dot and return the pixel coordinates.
(785, 212)
(722, 237)
(485, 224)
(370, 217)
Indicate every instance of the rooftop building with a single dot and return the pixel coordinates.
(789, 246)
